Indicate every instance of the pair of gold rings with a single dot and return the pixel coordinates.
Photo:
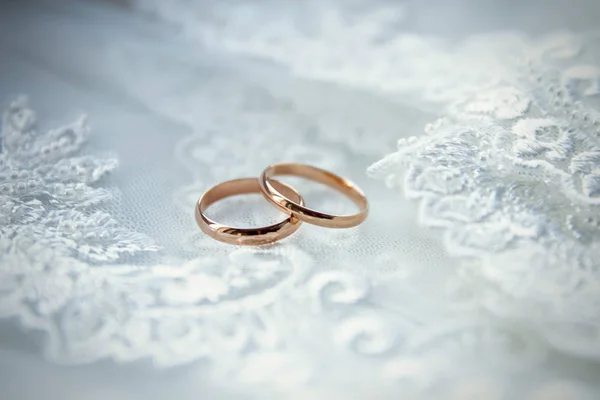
(285, 198)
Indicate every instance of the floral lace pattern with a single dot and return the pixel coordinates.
(509, 173)
(52, 237)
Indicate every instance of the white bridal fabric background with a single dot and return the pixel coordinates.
(472, 126)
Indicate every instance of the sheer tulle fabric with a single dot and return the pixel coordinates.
(100, 253)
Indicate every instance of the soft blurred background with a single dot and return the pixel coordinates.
(471, 125)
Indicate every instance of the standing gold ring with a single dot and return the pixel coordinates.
(245, 236)
(306, 214)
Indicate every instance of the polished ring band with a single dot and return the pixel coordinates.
(244, 236)
(298, 209)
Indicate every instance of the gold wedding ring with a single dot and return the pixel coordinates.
(244, 236)
(297, 209)
(285, 198)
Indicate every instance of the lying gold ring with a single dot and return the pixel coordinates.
(244, 236)
(305, 214)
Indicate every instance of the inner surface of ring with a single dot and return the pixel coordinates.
(333, 181)
(240, 187)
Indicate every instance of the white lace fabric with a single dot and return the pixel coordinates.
(503, 305)
(511, 175)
